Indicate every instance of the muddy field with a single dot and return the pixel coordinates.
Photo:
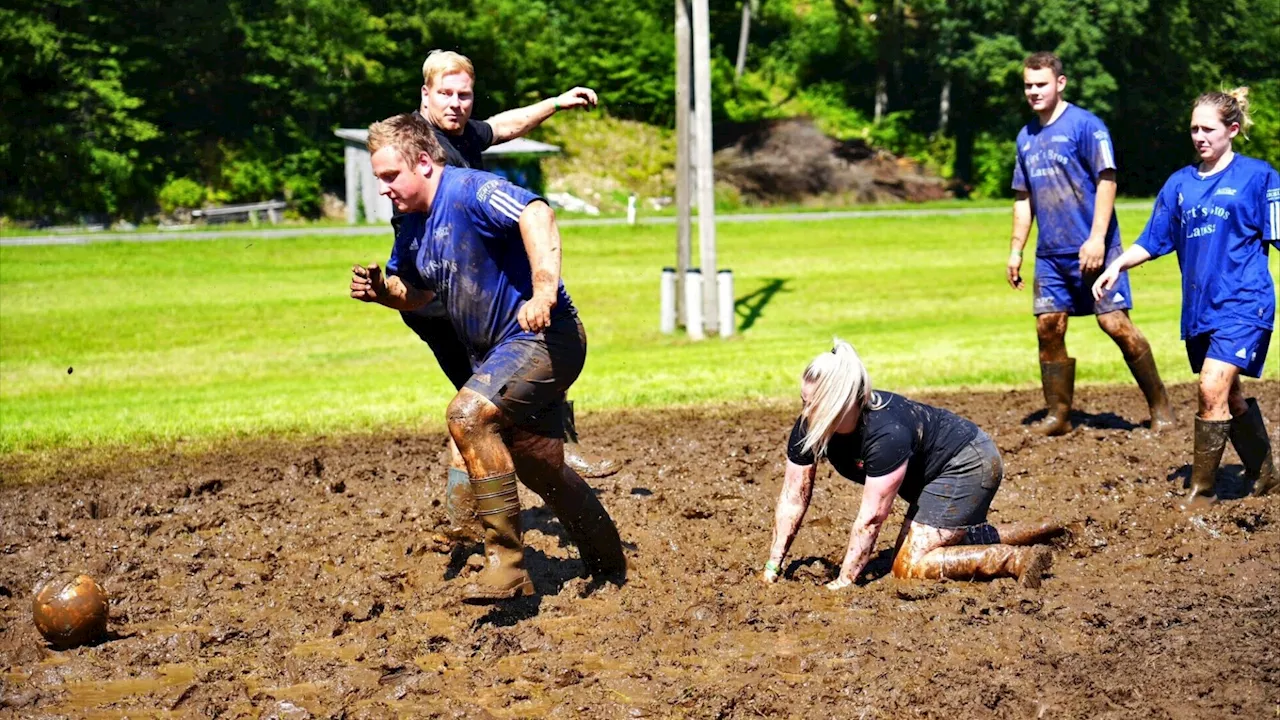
(306, 579)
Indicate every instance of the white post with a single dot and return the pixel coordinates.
(667, 314)
(352, 163)
(631, 210)
(683, 156)
(706, 180)
(693, 303)
(724, 279)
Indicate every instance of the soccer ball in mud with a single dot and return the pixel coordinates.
(70, 610)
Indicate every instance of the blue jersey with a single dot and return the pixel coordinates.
(1059, 165)
(469, 251)
(1220, 227)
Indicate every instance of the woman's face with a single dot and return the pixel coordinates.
(1211, 138)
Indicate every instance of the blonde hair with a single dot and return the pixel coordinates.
(839, 381)
(1232, 107)
(409, 134)
(443, 62)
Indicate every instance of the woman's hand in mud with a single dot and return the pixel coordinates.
(772, 571)
(839, 583)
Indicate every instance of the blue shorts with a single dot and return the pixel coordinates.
(1060, 288)
(527, 378)
(961, 496)
(1244, 346)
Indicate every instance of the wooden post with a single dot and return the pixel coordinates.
(706, 176)
(683, 220)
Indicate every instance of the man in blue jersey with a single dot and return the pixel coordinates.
(1065, 180)
(491, 252)
(448, 97)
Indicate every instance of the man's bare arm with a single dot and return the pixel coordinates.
(369, 285)
(542, 244)
(1023, 214)
(516, 123)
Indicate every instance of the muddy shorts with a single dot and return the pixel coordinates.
(1244, 346)
(527, 378)
(962, 494)
(1060, 287)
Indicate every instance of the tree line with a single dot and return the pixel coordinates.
(117, 109)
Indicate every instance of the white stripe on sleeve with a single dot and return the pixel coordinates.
(1107, 160)
(1275, 221)
(502, 208)
(519, 206)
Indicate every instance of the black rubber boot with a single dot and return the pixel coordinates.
(1059, 382)
(1148, 377)
(1211, 440)
(1253, 445)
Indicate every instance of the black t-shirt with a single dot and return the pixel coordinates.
(894, 429)
(464, 150)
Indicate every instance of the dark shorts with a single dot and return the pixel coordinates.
(1244, 346)
(1061, 288)
(437, 332)
(527, 378)
(962, 494)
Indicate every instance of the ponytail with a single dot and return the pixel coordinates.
(839, 381)
(1232, 107)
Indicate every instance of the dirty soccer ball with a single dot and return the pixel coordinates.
(70, 610)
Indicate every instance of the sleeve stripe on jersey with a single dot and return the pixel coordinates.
(1275, 221)
(506, 205)
(1107, 159)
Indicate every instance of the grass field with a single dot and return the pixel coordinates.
(128, 343)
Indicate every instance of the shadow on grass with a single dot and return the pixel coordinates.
(749, 307)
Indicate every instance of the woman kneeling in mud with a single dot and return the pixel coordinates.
(943, 465)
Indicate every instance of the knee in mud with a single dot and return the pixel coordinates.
(468, 415)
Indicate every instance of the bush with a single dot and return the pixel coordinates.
(993, 161)
(181, 193)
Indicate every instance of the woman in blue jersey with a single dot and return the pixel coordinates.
(944, 466)
(1219, 216)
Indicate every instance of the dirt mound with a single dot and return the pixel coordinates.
(791, 161)
(305, 579)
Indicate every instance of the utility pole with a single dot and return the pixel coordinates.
(706, 177)
(743, 37)
(683, 219)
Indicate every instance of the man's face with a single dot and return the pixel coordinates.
(1042, 88)
(404, 184)
(447, 103)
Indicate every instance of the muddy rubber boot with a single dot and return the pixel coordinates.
(1253, 445)
(1059, 382)
(1018, 533)
(1211, 440)
(984, 562)
(504, 577)
(460, 507)
(1148, 377)
(589, 526)
(583, 461)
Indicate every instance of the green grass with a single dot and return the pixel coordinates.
(148, 342)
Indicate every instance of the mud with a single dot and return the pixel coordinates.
(295, 579)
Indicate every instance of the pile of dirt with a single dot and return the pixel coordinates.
(792, 161)
(300, 579)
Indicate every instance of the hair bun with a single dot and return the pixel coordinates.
(1241, 95)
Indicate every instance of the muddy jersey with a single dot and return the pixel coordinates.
(468, 250)
(1221, 228)
(1059, 165)
(892, 431)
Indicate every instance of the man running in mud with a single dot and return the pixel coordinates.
(491, 252)
(1065, 179)
(448, 97)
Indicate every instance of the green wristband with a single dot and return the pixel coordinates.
(556, 101)
(772, 566)
(1015, 252)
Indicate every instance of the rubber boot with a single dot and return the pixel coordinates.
(1148, 377)
(460, 507)
(588, 525)
(584, 462)
(1253, 445)
(984, 562)
(1018, 533)
(1211, 439)
(504, 577)
(1059, 382)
